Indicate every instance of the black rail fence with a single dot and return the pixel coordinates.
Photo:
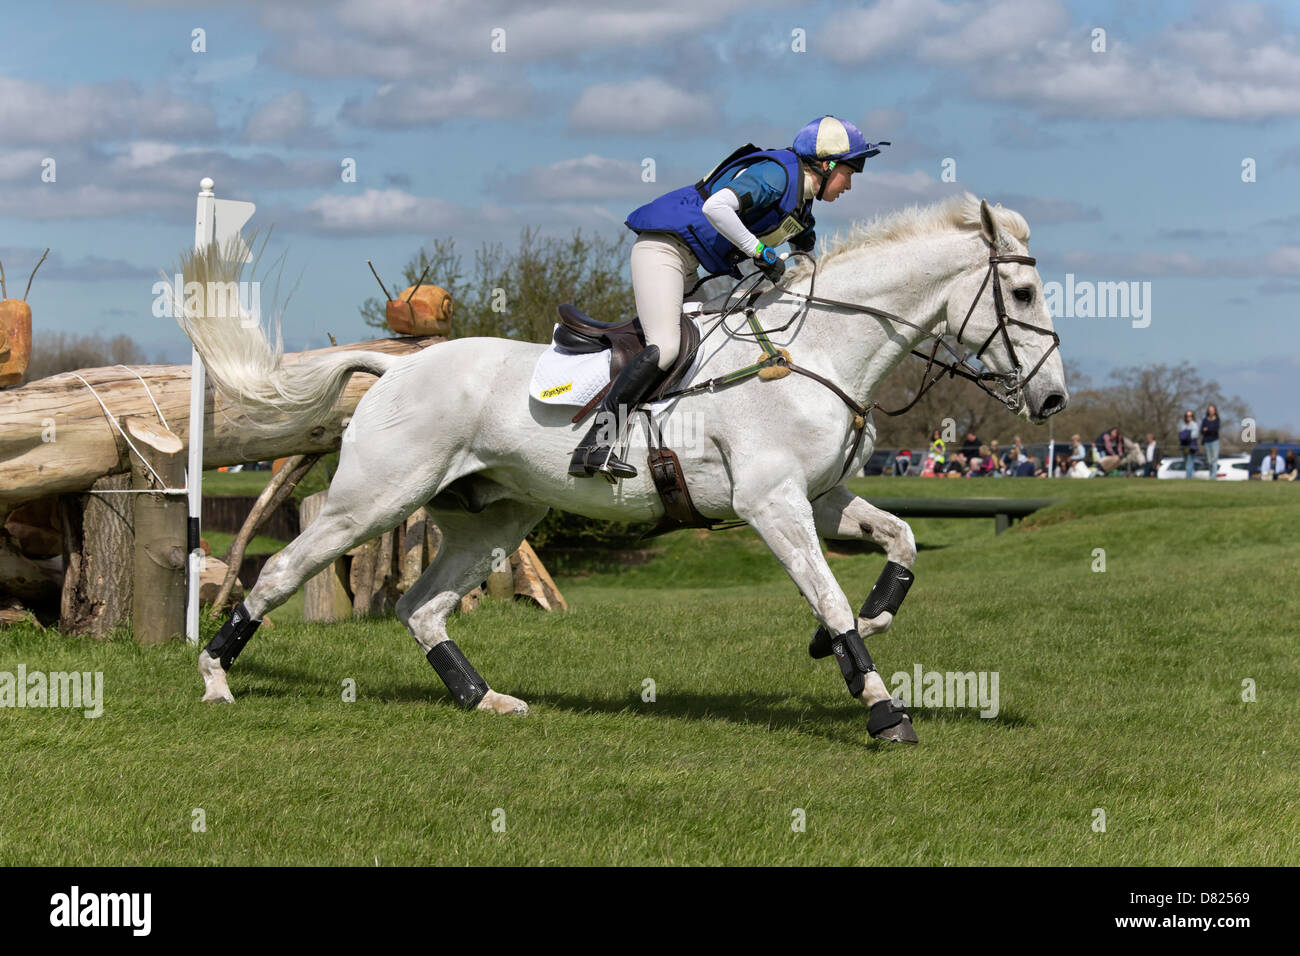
(228, 514)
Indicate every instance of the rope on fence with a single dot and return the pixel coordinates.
(163, 489)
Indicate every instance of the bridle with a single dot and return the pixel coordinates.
(1016, 382)
(1009, 384)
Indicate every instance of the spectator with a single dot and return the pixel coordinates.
(1153, 457)
(1273, 465)
(1188, 433)
(937, 450)
(1109, 445)
(1027, 468)
(1014, 456)
(957, 467)
(1210, 439)
(1077, 451)
(995, 468)
(1290, 467)
(1111, 448)
(1127, 454)
(1134, 459)
(902, 462)
(971, 446)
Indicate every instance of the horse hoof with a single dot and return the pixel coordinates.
(215, 688)
(902, 733)
(888, 720)
(502, 704)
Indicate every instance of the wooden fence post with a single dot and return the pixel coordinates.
(158, 610)
(97, 586)
(325, 597)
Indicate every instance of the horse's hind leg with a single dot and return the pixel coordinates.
(471, 542)
(842, 515)
(348, 519)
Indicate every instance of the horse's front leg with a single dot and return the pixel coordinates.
(842, 515)
(783, 518)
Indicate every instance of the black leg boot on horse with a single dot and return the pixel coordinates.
(632, 385)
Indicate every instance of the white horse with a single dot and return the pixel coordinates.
(453, 427)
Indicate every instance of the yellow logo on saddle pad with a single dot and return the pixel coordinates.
(558, 390)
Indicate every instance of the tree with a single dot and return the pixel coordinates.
(55, 352)
(514, 294)
(1152, 398)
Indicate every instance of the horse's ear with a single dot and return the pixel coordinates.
(988, 225)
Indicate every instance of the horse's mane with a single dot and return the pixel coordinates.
(959, 212)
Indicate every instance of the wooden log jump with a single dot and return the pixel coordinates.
(55, 436)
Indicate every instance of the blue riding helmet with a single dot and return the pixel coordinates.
(828, 138)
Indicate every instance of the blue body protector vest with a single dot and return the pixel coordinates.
(680, 212)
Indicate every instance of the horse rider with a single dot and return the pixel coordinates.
(753, 200)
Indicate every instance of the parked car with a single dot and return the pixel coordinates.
(880, 462)
(1234, 468)
(1176, 467)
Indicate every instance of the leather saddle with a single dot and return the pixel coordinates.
(579, 332)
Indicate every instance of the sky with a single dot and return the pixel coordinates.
(1154, 143)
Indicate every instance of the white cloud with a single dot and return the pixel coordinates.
(990, 32)
(588, 177)
(408, 39)
(1048, 209)
(86, 269)
(887, 29)
(379, 211)
(1232, 62)
(45, 115)
(641, 106)
(1283, 261)
(286, 119)
(144, 176)
(398, 106)
(398, 212)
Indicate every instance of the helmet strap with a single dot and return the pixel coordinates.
(826, 178)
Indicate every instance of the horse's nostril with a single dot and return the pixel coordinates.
(1053, 403)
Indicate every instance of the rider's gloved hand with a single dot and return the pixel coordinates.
(766, 260)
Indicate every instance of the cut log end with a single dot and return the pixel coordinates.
(153, 434)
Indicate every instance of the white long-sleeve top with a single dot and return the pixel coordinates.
(722, 209)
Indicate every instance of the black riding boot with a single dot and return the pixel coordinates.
(632, 384)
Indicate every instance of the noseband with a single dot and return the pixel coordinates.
(1011, 382)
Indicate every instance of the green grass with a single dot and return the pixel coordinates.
(261, 544)
(217, 483)
(1119, 690)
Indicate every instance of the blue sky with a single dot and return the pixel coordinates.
(1127, 162)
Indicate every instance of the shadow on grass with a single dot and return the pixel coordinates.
(851, 547)
(844, 722)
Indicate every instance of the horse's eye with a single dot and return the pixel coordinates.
(1024, 294)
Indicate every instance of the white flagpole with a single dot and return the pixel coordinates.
(204, 234)
(207, 230)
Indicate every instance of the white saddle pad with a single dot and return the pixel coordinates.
(569, 378)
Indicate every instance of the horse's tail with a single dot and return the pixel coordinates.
(245, 364)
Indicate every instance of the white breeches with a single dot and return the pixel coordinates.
(663, 269)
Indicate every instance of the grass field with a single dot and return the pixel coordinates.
(1119, 690)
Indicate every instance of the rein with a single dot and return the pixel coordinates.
(1010, 383)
